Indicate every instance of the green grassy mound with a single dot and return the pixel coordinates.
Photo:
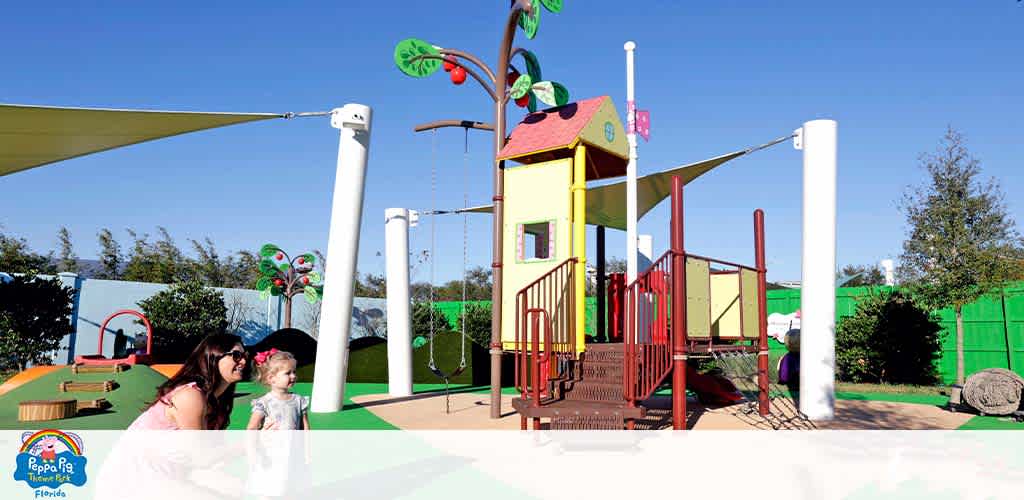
(368, 361)
(136, 388)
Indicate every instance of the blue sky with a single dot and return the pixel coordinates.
(717, 76)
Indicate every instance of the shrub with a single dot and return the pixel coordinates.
(181, 316)
(888, 340)
(421, 321)
(35, 315)
(478, 324)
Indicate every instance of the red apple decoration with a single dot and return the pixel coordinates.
(302, 260)
(522, 102)
(512, 77)
(449, 63)
(305, 280)
(279, 256)
(458, 75)
(278, 282)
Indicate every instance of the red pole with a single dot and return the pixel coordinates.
(678, 309)
(762, 305)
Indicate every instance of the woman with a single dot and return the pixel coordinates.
(201, 394)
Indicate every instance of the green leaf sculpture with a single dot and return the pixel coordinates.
(551, 93)
(521, 87)
(530, 22)
(553, 6)
(311, 294)
(264, 283)
(284, 267)
(275, 291)
(308, 259)
(267, 268)
(314, 277)
(269, 250)
(408, 58)
(532, 65)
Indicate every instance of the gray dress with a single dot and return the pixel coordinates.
(287, 413)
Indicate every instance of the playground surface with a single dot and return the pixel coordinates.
(368, 407)
(470, 410)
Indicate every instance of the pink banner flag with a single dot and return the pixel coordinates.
(643, 124)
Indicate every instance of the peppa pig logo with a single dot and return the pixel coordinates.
(50, 458)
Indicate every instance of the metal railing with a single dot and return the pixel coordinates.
(647, 343)
(545, 339)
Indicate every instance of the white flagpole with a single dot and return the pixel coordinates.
(631, 241)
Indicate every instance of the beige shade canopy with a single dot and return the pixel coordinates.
(606, 204)
(32, 136)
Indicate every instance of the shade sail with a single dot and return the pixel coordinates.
(606, 204)
(32, 136)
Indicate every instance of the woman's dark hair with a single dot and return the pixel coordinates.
(201, 368)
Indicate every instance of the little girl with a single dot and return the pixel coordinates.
(280, 408)
(279, 459)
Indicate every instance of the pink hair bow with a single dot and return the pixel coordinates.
(265, 355)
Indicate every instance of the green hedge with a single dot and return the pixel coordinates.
(368, 361)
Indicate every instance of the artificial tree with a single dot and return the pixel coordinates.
(419, 59)
(287, 277)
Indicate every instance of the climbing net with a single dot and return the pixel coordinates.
(740, 367)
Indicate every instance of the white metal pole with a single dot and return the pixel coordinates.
(396, 253)
(353, 120)
(631, 243)
(818, 282)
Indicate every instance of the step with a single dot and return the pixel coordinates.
(84, 368)
(599, 371)
(594, 391)
(568, 408)
(72, 386)
(93, 404)
(590, 423)
(603, 356)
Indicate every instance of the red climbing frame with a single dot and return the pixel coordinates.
(131, 359)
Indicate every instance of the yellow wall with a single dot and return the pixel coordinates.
(533, 193)
(725, 305)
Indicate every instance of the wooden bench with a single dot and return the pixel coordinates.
(72, 386)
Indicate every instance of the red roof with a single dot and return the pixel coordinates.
(550, 128)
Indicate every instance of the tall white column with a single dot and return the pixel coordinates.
(630, 167)
(353, 120)
(396, 254)
(818, 139)
(890, 275)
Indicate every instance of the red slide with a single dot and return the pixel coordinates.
(712, 389)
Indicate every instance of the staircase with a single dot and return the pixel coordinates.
(589, 395)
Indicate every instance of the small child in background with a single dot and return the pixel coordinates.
(279, 460)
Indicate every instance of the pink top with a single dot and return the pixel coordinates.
(155, 418)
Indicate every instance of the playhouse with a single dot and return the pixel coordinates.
(558, 375)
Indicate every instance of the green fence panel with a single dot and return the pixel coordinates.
(992, 338)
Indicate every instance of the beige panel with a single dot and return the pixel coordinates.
(533, 193)
(725, 305)
(605, 131)
(698, 315)
(750, 305)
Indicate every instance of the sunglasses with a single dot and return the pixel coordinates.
(235, 354)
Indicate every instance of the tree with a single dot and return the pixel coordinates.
(68, 260)
(35, 315)
(159, 262)
(181, 316)
(962, 243)
(371, 286)
(889, 339)
(422, 318)
(110, 256)
(862, 275)
(615, 265)
(288, 277)
(17, 257)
